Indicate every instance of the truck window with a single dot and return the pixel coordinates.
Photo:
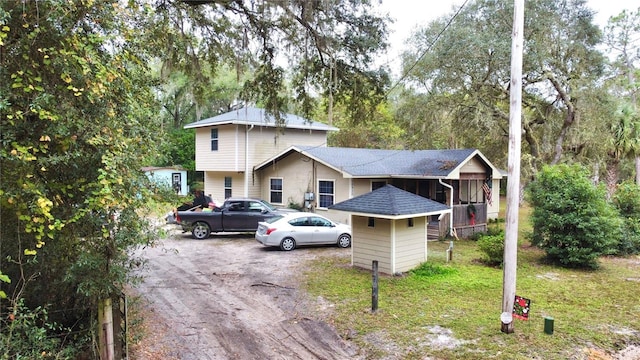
(236, 206)
(255, 206)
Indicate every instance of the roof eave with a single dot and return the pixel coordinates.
(246, 123)
(399, 216)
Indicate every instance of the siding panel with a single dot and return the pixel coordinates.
(372, 244)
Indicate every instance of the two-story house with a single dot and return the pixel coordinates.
(229, 145)
(244, 153)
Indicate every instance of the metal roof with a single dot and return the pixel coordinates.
(259, 117)
(391, 202)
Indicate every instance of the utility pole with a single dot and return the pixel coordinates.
(513, 180)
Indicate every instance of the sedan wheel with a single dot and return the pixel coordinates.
(288, 244)
(201, 231)
(344, 241)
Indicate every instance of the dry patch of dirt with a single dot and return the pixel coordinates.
(229, 297)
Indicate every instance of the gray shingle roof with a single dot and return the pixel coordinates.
(391, 201)
(256, 116)
(376, 162)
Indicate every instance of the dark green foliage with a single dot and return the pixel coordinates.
(30, 335)
(255, 38)
(78, 124)
(492, 247)
(627, 200)
(571, 219)
(427, 269)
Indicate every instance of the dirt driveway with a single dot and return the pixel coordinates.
(229, 297)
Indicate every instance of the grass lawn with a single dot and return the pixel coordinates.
(453, 311)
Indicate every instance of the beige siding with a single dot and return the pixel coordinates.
(494, 208)
(474, 165)
(214, 184)
(410, 244)
(264, 143)
(363, 186)
(342, 186)
(371, 243)
(297, 174)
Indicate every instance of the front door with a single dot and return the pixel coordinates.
(176, 182)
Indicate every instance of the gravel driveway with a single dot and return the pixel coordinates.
(229, 297)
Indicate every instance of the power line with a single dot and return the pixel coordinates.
(424, 53)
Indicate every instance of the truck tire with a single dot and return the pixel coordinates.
(201, 230)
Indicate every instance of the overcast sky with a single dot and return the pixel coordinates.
(410, 14)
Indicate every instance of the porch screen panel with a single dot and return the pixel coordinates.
(471, 191)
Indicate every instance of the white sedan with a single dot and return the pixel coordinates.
(301, 228)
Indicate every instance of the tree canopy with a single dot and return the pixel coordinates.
(293, 50)
(464, 71)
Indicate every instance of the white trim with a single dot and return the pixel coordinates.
(281, 191)
(398, 217)
(318, 192)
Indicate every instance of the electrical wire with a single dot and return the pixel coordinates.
(424, 53)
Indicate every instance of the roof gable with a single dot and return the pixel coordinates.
(390, 201)
(259, 117)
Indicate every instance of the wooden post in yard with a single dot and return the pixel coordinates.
(105, 330)
(374, 288)
(513, 180)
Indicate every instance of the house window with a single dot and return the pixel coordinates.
(275, 190)
(371, 222)
(214, 139)
(410, 222)
(377, 184)
(326, 193)
(227, 187)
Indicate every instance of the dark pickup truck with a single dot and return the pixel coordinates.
(235, 215)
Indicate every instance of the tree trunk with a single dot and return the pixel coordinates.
(569, 118)
(612, 178)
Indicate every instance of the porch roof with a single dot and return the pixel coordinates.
(392, 203)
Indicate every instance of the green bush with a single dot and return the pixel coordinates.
(572, 221)
(492, 247)
(627, 200)
(28, 334)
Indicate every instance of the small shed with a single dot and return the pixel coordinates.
(390, 225)
(174, 177)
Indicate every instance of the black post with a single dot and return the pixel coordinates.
(374, 289)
